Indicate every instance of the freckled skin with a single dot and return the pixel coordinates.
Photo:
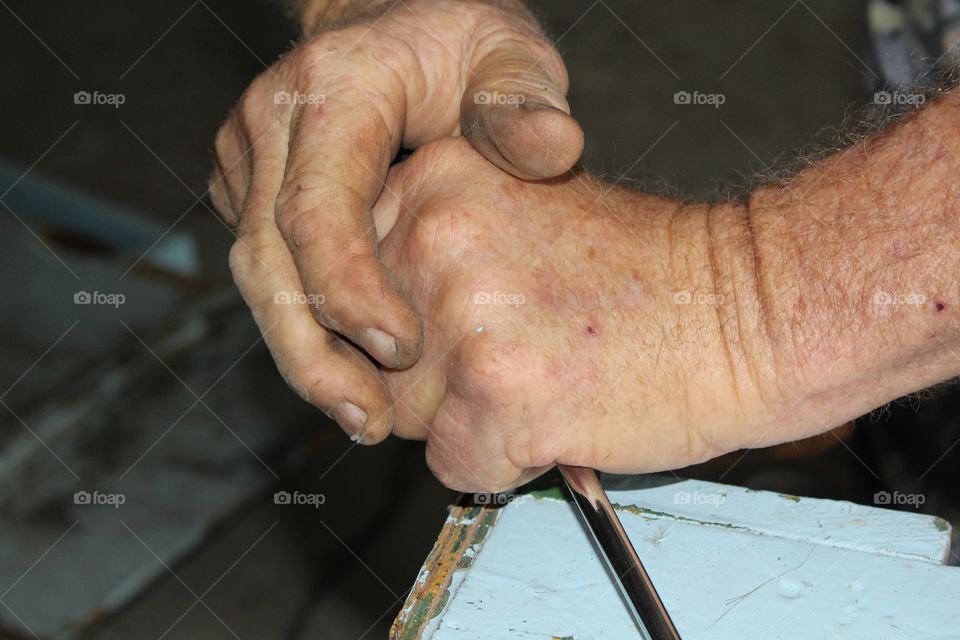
(304, 154)
(582, 354)
(693, 329)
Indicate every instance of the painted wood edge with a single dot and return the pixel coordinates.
(459, 542)
(935, 530)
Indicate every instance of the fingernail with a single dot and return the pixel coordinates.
(381, 346)
(351, 419)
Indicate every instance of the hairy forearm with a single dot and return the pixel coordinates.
(853, 297)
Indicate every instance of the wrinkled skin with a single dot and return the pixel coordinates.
(552, 327)
(303, 157)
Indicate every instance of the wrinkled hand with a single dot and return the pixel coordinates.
(567, 321)
(302, 159)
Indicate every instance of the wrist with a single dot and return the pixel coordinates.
(694, 351)
(724, 339)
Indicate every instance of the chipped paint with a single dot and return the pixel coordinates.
(498, 582)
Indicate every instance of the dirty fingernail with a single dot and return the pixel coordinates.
(381, 346)
(351, 419)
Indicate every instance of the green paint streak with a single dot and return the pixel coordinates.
(562, 637)
(787, 496)
(941, 524)
(418, 617)
(487, 520)
(650, 513)
(549, 493)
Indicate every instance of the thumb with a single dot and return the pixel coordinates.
(514, 110)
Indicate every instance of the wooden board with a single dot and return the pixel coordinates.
(729, 563)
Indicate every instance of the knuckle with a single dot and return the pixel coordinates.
(220, 198)
(254, 107)
(299, 380)
(447, 228)
(434, 228)
(446, 466)
(240, 260)
(295, 211)
(299, 228)
(253, 254)
(495, 371)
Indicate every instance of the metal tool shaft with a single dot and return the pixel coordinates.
(622, 558)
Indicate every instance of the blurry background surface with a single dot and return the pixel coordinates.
(171, 400)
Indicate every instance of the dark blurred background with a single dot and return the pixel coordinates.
(167, 398)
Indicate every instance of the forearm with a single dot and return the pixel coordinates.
(854, 291)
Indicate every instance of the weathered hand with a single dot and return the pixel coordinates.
(303, 157)
(564, 321)
(570, 321)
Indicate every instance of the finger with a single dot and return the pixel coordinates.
(322, 368)
(514, 110)
(339, 154)
(231, 172)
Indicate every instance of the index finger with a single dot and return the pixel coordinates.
(340, 149)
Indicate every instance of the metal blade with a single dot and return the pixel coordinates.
(620, 555)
